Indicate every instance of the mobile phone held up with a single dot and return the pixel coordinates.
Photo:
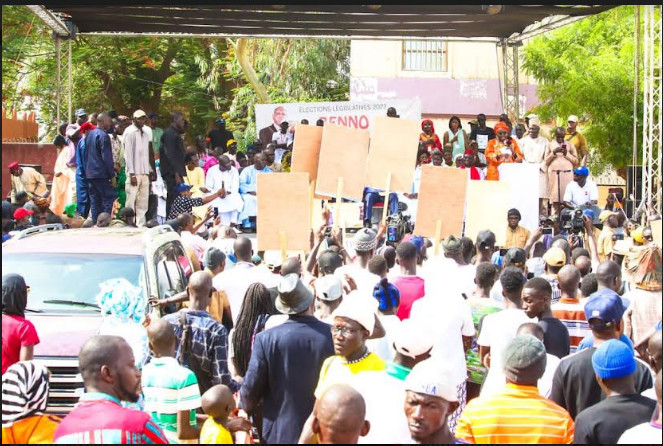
(547, 231)
(216, 212)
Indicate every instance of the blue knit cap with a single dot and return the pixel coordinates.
(613, 359)
(387, 295)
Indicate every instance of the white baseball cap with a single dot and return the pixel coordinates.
(411, 339)
(139, 114)
(328, 288)
(573, 118)
(431, 378)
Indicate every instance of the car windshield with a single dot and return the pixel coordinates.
(70, 282)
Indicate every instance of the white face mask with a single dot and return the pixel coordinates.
(201, 163)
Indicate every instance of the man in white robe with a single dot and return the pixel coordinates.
(225, 176)
(248, 186)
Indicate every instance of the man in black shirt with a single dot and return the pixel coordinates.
(171, 157)
(220, 136)
(623, 408)
(536, 296)
(574, 386)
(482, 134)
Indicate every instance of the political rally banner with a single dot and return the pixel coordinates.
(357, 115)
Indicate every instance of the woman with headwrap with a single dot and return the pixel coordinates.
(18, 334)
(643, 271)
(502, 149)
(428, 136)
(123, 308)
(24, 396)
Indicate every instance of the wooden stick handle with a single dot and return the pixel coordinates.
(284, 245)
(438, 234)
(339, 199)
(311, 196)
(385, 209)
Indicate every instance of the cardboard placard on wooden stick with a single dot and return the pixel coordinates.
(441, 198)
(487, 207)
(343, 153)
(306, 150)
(283, 211)
(394, 145)
(656, 231)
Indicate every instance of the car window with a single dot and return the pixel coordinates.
(71, 277)
(173, 269)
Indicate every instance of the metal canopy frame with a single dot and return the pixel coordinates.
(651, 122)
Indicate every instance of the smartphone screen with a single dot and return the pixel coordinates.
(503, 252)
(547, 231)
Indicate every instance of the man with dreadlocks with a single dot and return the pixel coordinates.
(276, 375)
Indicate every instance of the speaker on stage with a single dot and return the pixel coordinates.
(633, 175)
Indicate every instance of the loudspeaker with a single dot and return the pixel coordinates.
(633, 175)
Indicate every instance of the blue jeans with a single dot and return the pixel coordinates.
(82, 196)
(372, 197)
(102, 196)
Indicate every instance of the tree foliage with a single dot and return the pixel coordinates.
(587, 69)
(200, 77)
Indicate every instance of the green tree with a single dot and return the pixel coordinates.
(586, 69)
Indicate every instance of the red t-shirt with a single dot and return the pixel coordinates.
(411, 289)
(17, 332)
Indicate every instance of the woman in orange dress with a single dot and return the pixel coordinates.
(502, 149)
(429, 137)
(24, 395)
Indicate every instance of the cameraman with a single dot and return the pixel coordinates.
(606, 240)
(581, 192)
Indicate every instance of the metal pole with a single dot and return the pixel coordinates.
(70, 113)
(636, 89)
(516, 85)
(58, 82)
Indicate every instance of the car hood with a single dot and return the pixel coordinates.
(63, 335)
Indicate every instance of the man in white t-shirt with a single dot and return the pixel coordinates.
(451, 270)
(581, 192)
(449, 318)
(364, 243)
(498, 329)
(236, 281)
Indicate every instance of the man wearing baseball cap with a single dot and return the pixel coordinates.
(139, 165)
(26, 179)
(623, 408)
(581, 192)
(574, 386)
(22, 219)
(518, 414)
(485, 245)
(555, 259)
(219, 135)
(184, 204)
(605, 242)
(328, 296)
(576, 138)
(430, 398)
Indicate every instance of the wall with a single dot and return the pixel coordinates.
(470, 86)
(14, 129)
(27, 153)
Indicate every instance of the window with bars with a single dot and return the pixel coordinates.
(424, 55)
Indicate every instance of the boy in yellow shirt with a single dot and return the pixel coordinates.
(218, 403)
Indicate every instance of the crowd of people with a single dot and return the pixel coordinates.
(553, 337)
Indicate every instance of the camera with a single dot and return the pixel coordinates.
(328, 231)
(573, 223)
(398, 225)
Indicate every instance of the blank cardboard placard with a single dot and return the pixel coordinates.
(283, 205)
(306, 150)
(487, 206)
(656, 231)
(394, 145)
(523, 180)
(343, 154)
(441, 197)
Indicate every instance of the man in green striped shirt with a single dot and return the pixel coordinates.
(171, 391)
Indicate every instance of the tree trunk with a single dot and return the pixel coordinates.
(249, 72)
